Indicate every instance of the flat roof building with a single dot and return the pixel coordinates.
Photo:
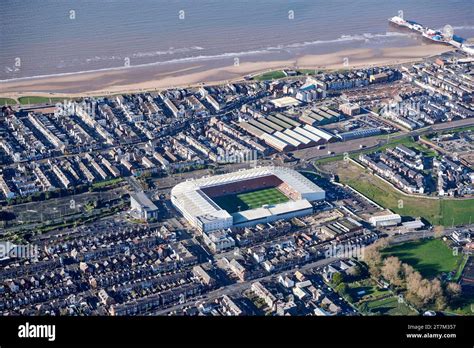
(385, 220)
(285, 102)
(143, 206)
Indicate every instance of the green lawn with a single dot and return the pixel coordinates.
(430, 257)
(250, 200)
(459, 212)
(330, 159)
(459, 272)
(370, 290)
(106, 183)
(40, 100)
(451, 131)
(407, 141)
(389, 306)
(7, 101)
(463, 306)
(271, 75)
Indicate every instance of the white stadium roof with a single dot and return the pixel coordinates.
(263, 212)
(189, 197)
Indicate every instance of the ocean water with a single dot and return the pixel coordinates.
(55, 37)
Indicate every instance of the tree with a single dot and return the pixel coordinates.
(453, 290)
(413, 282)
(382, 243)
(436, 289)
(343, 290)
(438, 231)
(391, 270)
(354, 271)
(440, 303)
(414, 300)
(364, 307)
(337, 278)
(373, 259)
(423, 291)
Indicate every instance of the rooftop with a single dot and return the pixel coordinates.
(142, 199)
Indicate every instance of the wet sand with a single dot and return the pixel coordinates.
(136, 79)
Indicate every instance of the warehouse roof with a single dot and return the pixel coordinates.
(285, 101)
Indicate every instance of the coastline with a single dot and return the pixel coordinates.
(154, 78)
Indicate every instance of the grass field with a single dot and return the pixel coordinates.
(106, 183)
(457, 211)
(375, 300)
(430, 257)
(39, 100)
(271, 75)
(250, 200)
(7, 101)
(389, 306)
(444, 212)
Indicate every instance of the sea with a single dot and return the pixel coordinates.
(60, 37)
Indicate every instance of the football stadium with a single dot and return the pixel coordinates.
(245, 198)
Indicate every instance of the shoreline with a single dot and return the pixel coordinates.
(142, 79)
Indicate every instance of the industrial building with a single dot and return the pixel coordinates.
(285, 102)
(350, 109)
(283, 133)
(359, 133)
(385, 220)
(320, 116)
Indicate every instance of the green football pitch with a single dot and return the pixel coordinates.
(250, 200)
(430, 257)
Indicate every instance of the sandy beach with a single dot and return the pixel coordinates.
(136, 79)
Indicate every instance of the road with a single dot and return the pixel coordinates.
(406, 237)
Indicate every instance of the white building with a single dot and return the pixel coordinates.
(143, 206)
(385, 220)
(203, 213)
(218, 241)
